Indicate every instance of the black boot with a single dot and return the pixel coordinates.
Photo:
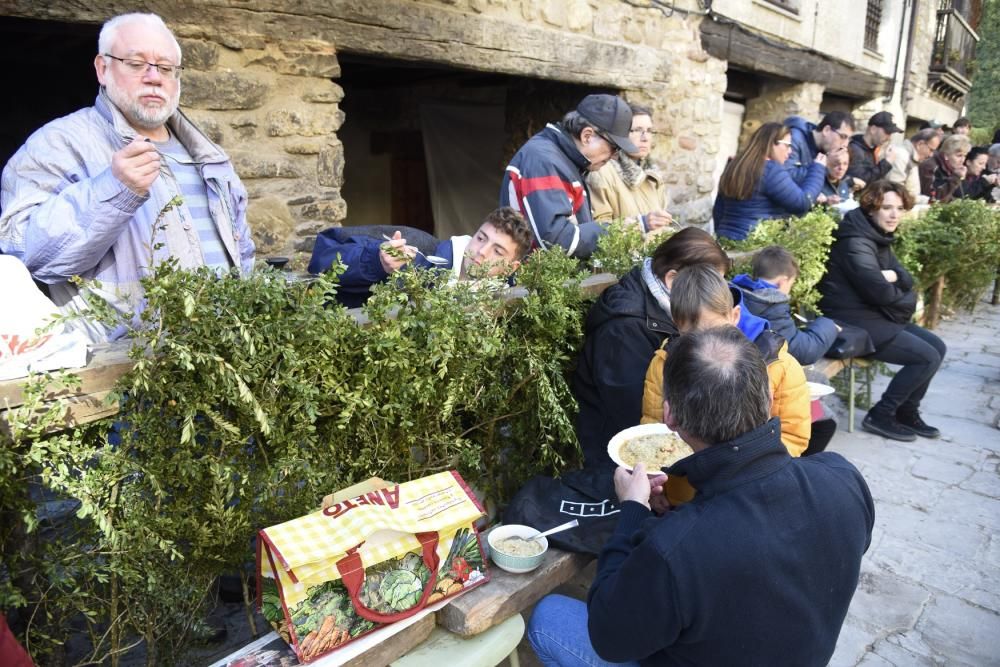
(886, 426)
(911, 420)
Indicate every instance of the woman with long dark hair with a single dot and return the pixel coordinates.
(865, 285)
(756, 186)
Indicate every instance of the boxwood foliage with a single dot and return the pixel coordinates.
(249, 400)
(959, 241)
(807, 237)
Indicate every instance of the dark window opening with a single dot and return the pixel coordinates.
(873, 22)
(50, 74)
(425, 146)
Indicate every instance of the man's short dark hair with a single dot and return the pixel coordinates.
(716, 384)
(510, 222)
(573, 123)
(835, 119)
(774, 261)
(961, 122)
(924, 136)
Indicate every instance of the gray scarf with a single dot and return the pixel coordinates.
(633, 171)
(655, 285)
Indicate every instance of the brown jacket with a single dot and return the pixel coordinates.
(612, 198)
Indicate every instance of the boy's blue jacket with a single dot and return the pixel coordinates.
(764, 299)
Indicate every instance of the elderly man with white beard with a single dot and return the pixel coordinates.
(112, 190)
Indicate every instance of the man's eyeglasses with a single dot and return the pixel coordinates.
(643, 131)
(845, 136)
(614, 146)
(140, 67)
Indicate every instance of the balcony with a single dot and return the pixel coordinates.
(952, 61)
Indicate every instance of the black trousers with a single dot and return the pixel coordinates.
(919, 352)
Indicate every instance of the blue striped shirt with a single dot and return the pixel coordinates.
(192, 188)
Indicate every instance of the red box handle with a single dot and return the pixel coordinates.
(352, 572)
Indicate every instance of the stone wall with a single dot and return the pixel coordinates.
(778, 100)
(261, 80)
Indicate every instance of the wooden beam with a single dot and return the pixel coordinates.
(748, 50)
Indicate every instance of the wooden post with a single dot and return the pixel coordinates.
(996, 290)
(933, 313)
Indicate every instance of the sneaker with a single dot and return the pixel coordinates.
(914, 423)
(887, 427)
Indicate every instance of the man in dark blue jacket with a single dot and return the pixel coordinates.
(496, 249)
(809, 140)
(758, 569)
(545, 179)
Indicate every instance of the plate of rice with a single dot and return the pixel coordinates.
(654, 445)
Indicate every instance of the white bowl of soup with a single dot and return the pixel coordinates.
(516, 555)
(654, 445)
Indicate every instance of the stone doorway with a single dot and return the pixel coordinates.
(50, 73)
(425, 145)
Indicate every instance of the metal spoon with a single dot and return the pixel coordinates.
(433, 259)
(558, 529)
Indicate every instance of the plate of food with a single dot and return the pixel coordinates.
(817, 390)
(654, 445)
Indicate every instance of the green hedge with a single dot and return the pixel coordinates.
(256, 399)
(958, 241)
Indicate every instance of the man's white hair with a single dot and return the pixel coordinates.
(109, 31)
(994, 150)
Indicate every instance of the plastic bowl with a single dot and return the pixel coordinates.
(620, 438)
(515, 564)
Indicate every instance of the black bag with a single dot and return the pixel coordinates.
(851, 342)
(587, 495)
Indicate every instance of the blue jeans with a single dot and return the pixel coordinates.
(558, 634)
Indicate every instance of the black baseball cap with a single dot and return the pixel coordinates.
(884, 120)
(612, 116)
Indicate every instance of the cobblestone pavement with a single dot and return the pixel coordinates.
(930, 583)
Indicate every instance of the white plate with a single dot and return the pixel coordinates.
(817, 390)
(619, 439)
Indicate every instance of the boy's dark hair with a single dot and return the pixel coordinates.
(835, 119)
(774, 261)
(961, 122)
(510, 222)
(871, 197)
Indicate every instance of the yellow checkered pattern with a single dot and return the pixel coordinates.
(310, 546)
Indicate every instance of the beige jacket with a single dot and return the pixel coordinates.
(622, 190)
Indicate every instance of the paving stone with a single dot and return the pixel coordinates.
(889, 653)
(970, 508)
(966, 432)
(965, 633)
(941, 470)
(985, 483)
(886, 603)
(853, 643)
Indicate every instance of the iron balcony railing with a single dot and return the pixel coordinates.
(954, 46)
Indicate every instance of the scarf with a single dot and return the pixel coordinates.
(633, 171)
(655, 285)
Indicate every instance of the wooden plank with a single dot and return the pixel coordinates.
(749, 50)
(397, 645)
(507, 594)
(108, 362)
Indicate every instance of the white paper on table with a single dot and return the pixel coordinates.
(24, 310)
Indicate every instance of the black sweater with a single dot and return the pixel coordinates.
(758, 569)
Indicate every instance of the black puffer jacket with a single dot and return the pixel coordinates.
(623, 330)
(854, 289)
(863, 164)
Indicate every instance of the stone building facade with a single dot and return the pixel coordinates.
(268, 81)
